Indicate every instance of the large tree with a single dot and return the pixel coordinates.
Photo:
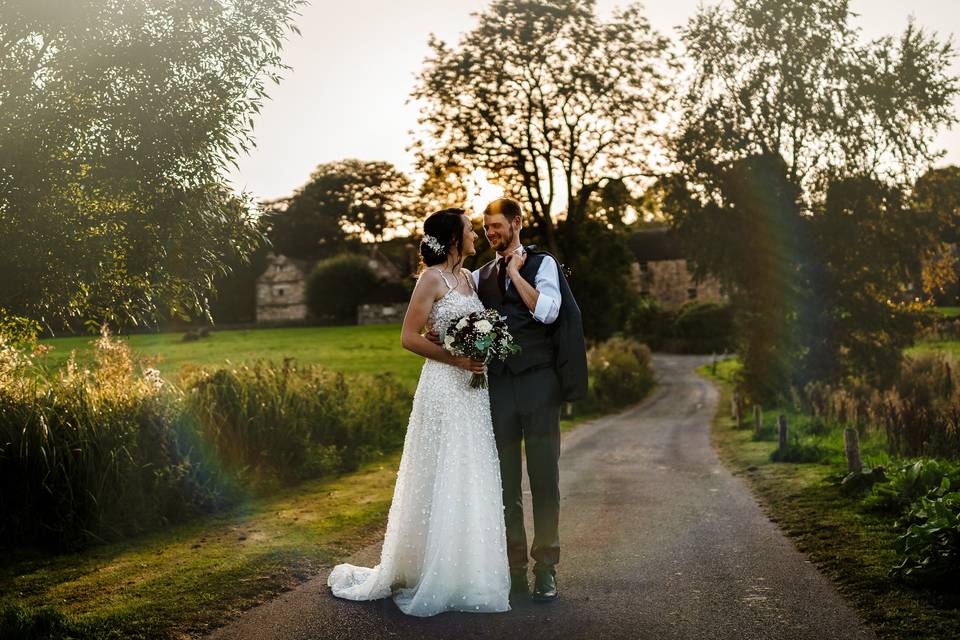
(795, 140)
(554, 101)
(118, 122)
(937, 195)
(342, 203)
(792, 78)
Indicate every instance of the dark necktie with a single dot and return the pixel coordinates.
(502, 277)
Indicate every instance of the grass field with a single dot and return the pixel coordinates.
(363, 349)
(946, 347)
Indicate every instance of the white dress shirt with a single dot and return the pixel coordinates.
(546, 282)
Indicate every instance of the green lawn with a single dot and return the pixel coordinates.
(363, 349)
(950, 312)
(946, 347)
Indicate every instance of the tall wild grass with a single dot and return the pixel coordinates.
(112, 449)
(919, 415)
(293, 422)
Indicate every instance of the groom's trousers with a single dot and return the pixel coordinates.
(526, 409)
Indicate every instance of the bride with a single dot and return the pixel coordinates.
(445, 545)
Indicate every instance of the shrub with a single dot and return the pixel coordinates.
(799, 450)
(338, 285)
(620, 373)
(649, 322)
(920, 414)
(707, 325)
(696, 327)
(98, 454)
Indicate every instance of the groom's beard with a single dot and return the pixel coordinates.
(504, 243)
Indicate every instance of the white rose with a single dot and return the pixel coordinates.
(483, 326)
(448, 341)
(462, 323)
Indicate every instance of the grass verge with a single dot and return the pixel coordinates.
(851, 545)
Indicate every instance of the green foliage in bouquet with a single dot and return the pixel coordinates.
(482, 335)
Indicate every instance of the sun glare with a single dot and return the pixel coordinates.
(480, 191)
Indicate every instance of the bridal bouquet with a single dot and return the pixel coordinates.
(481, 335)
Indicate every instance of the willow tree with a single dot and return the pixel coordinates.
(118, 122)
(550, 99)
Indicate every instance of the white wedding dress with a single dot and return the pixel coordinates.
(445, 546)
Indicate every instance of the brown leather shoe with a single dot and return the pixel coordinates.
(544, 586)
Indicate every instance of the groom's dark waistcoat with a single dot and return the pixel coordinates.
(533, 336)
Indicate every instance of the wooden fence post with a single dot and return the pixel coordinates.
(757, 420)
(782, 420)
(851, 441)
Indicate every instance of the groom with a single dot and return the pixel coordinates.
(525, 393)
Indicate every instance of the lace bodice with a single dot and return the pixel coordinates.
(452, 306)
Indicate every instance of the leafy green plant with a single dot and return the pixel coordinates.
(911, 481)
(931, 545)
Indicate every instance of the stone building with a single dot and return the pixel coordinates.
(660, 271)
(282, 290)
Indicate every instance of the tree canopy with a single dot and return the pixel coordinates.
(794, 79)
(342, 203)
(552, 100)
(796, 148)
(118, 121)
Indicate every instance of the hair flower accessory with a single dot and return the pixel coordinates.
(433, 243)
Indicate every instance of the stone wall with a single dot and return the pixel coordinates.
(670, 282)
(381, 313)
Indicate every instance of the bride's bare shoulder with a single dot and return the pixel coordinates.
(429, 282)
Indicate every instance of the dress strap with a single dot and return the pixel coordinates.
(469, 276)
(444, 279)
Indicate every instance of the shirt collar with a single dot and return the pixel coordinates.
(520, 250)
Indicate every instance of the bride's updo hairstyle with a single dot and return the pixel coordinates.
(442, 231)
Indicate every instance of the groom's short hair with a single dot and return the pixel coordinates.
(508, 207)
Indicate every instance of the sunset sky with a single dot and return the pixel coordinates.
(355, 64)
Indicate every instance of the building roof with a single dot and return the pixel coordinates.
(651, 245)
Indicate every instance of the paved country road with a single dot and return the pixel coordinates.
(658, 540)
